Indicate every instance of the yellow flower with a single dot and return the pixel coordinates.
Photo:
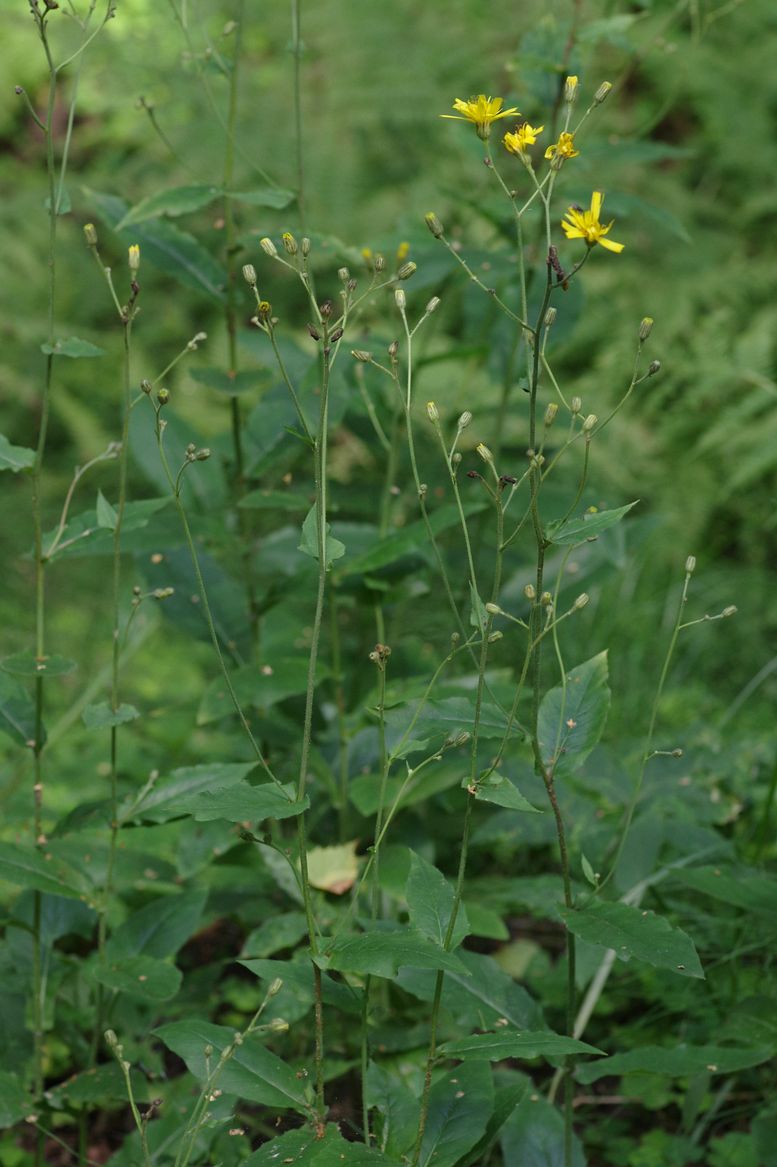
(563, 148)
(524, 135)
(580, 224)
(480, 110)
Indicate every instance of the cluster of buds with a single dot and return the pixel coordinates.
(196, 455)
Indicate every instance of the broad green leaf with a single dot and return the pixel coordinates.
(430, 903)
(28, 867)
(533, 1135)
(160, 928)
(440, 721)
(742, 887)
(571, 721)
(495, 1047)
(106, 514)
(364, 791)
(260, 686)
(15, 1102)
(177, 200)
(102, 1084)
(83, 536)
(162, 244)
(413, 538)
(506, 1098)
(460, 1105)
(281, 930)
(631, 931)
(15, 458)
(480, 995)
(397, 1106)
(102, 715)
(333, 869)
(242, 382)
(585, 526)
(299, 974)
(333, 548)
(304, 1148)
(252, 1072)
(158, 802)
(501, 792)
(680, 1061)
(24, 664)
(73, 347)
(138, 976)
(382, 954)
(275, 197)
(275, 500)
(17, 710)
(241, 802)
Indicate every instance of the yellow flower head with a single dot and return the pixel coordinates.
(563, 148)
(480, 110)
(580, 224)
(523, 137)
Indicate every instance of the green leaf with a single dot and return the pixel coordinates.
(483, 993)
(177, 200)
(680, 1061)
(460, 1105)
(162, 244)
(304, 1148)
(586, 526)
(413, 538)
(242, 382)
(31, 868)
(15, 1102)
(23, 664)
(274, 197)
(441, 720)
(72, 347)
(15, 458)
(533, 1135)
(240, 802)
(333, 548)
(62, 202)
(506, 1098)
(158, 803)
(252, 1072)
(571, 721)
(138, 976)
(106, 514)
(259, 686)
(160, 928)
(430, 903)
(83, 536)
(102, 1084)
(17, 710)
(275, 500)
(495, 1047)
(742, 887)
(398, 1108)
(382, 954)
(102, 715)
(631, 931)
(478, 616)
(501, 792)
(283, 930)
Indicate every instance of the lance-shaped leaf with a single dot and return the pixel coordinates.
(680, 1061)
(635, 932)
(572, 716)
(460, 1105)
(495, 1047)
(575, 530)
(382, 953)
(430, 903)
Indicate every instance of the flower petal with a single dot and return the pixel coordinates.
(597, 198)
(610, 244)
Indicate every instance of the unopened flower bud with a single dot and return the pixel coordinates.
(589, 423)
(352, 285)
(343, 275)
(653, 368)
(485, 453)
(336, 335)
(494, 636)
(278, 1025)
(550, 317)
(163, 396)
(393, 349)
(359, 354)
(289, 242)
(432, 411)
(576, 404)
(249, 274)
(407, 270)
(268, 247)
(163, 593)
(530, 592)
(731, 610)
(305, 247)
(275, 987)
(400, 299)
(456, 459)
(434, 225)
(546, 599)
(550, 414)
(581, 601)
(433, 305)
(646, 327)
(264, 310)
(325, 309)
(602, 92)
(146, 386)
(313, 331)
(90, 234)
(493, 609)
(113, 1042)
(464, 420)
(690, 564)
(203, 454)
(133, 257)
(190, 449)
(570, 89)
(379, 262)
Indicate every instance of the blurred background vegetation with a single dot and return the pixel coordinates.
(685, 150)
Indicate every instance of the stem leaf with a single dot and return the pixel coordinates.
(501, 792)
(382, 953)
(305, 1148)
(632, 931)
(35, 869)
(333, 548)
(430, 900)
(587, 526)
(15, 458)
(460, 1105)
(572, 719)
(495, 1047)
(678, 1061)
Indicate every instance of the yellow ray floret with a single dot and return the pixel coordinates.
(579, 224)
(563, 148)
(523, 137)
(481, 111)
